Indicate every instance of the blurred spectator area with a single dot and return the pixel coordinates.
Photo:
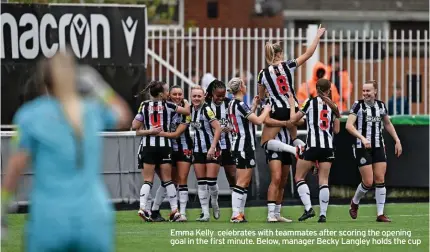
(223, 47)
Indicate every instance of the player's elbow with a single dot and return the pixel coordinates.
(259, 120)
(217, 129)
(186, 111)
(135, 125)
(349, 127)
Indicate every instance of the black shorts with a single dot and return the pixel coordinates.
(284, 157)
(154, 156)
(319, 154)
(226, 158)
(369, 156)
(201, 158)
(244, 159)
(281, 114)
(182, 156)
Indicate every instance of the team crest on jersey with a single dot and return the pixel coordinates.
(362, 160)
(223, 122)
(188, 119)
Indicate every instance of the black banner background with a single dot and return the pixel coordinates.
(411, 170)
(126, 74)
(81, 18)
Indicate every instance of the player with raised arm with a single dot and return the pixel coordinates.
(364, 123)
(206, 152)
(154, 117)
(243, 147)
(322, 116)
(57, 137)
(277, 80)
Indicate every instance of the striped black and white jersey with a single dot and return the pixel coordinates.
(152, 114)
(184, 141)
(221, 113)
(369, 122)
(244, 130)
(278, 81)
(320, 122)
(201, 119)
(284, 136)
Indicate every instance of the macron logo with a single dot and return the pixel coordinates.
(129, 28)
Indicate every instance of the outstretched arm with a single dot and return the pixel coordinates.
(258, 120)
(311, 49)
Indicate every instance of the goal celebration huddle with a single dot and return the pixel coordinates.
(211, 130)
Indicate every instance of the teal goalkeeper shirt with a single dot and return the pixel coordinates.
(67, 179)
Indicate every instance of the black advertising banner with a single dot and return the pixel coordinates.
(410, 170)
(112, 38)
(97, 34)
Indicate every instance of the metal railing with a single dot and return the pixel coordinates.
(377, 55)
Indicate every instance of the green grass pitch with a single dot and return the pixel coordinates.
(134, 235)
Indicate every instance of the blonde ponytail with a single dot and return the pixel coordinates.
(270, 53)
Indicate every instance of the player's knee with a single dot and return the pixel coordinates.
(283, 182)
(298, 178)
(182, 179)
(323, 181)
(276, 181)
(379, 180)
(282, 185)
(242, 183)
(367, 182)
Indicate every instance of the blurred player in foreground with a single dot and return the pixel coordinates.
(57, 138)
